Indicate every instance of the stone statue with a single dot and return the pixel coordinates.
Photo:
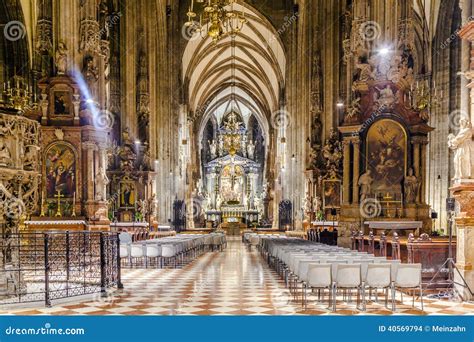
(142, 207)
(91, 75)
(213, 148)
(207, 202)
(218, 201)
(354, 109)
(30, 159)
(101, 181)
(221, 147)
(256, 202)
(307, 205)
(146, 162)
(5, 155)
(251, 150)
(365, 183)
(461, 144)
(316, 204)
(61, 59)
(365, 73)
(153, 205)
(385, 97)
(411, 186)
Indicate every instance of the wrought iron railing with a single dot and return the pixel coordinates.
(54, 265)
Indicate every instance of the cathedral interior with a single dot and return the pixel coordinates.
(217, 126)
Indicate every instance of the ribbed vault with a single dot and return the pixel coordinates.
(244, 72)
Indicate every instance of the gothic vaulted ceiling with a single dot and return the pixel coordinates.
(244, 73)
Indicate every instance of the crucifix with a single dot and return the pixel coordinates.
(59, 196)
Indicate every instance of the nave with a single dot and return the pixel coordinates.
(236, 281)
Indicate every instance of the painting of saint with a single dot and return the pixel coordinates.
(332, 194)
(127, 194)
(61, 103)
(60, 162)
(386, 155)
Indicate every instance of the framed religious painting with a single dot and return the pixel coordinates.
(60, 170)
(386, 156)
(332, 193)
(62, 104)
(127, 193)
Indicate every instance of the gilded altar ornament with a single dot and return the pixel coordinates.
(73, 214)
(17, 95)
(42, 214)
(58, 211)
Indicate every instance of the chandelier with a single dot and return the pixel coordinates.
(216, 17)
(17, 95)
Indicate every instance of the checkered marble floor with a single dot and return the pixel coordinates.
(236, 281)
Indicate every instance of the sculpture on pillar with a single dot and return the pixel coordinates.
(411, 186)
(221, 146)
(332, 153)
(213, 149)
(461, 144)
(153, 206)
(91, 75)
(365, 183)
(251, 150)
(61, 59)
(307, 205)
(146, 160)
(5, 155)
(218, 201)
(101, 181)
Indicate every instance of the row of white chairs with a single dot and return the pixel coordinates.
(167, 251)
(321, 267)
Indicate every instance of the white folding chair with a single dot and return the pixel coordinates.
(348, 277)
(319, 277)
(378, 277)
(408, 276)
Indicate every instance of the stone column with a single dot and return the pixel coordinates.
(356, 171)
(416, 161)
(89, 148)
(464, 194)
(416, 156)
(422, 192)
(346, 171)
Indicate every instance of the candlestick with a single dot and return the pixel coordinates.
(73, 214)
(42, 214)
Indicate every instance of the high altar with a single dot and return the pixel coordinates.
(232, 178)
